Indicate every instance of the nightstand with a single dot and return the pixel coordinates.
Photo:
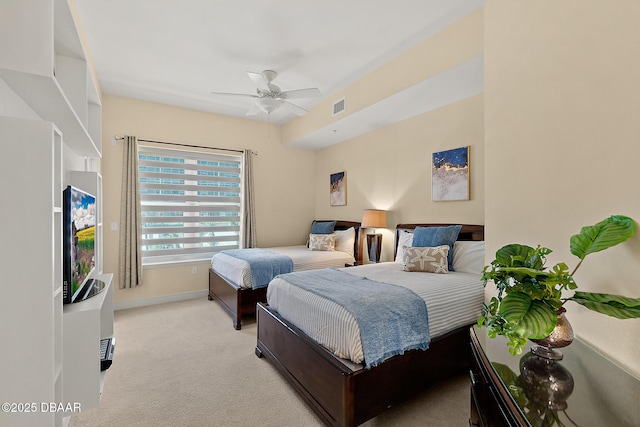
(584, 388)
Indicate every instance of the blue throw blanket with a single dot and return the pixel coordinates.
(264, 264)
(392, 319)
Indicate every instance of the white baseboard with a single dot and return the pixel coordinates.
(160, 300)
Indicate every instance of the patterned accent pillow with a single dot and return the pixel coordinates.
(322, 242)
(426, 259)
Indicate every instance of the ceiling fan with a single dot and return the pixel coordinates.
(269, 97)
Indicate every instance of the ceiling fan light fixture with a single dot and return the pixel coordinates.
(268, 104)
(269, 97)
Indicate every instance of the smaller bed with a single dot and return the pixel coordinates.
(237, 289)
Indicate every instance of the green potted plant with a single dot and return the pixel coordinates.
(529, 295)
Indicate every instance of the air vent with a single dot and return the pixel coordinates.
(338, 107)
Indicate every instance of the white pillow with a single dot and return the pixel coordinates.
(405, 238)
(345, 240)
(322, 242)
(468, 257)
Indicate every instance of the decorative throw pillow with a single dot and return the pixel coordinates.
(426, 259)
(345, 240)
(322, 242)
(437, 236)
(325, 227)
(405, 238)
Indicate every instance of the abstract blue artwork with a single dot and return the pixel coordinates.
(338, 189)
(450, 175)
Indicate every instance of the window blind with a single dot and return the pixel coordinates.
(190, 203)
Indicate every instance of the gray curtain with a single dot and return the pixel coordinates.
(248, 237)
(130, 273)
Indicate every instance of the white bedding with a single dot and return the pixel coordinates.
(453, 300)
(238, 271)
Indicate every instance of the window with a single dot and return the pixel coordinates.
(190, 204)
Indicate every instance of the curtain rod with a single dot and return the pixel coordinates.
(187, 145)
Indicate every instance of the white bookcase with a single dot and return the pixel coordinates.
(51, 114)
(31, 303)
(43, 61)
(85, 324)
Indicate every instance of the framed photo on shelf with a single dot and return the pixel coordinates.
(338, 189)
(450, 175)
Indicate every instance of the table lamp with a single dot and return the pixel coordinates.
(374, 218)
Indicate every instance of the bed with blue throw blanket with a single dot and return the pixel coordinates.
(238, 278)
(389, 319)
(263, 264)
(355, 341)
(255, 267)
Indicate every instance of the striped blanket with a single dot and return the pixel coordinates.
(392, 319)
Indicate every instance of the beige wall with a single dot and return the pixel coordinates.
(280, 200)
(561, 143)
(391, 169)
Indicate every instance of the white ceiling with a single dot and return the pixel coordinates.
(178, 52)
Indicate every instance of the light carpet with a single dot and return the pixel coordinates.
(183, 364)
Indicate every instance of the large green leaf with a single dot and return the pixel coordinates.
(530, 318)
(608, 232)
(612, 305)
(513, 254)
(516, 255)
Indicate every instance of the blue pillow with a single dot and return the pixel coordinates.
(436, 236)
(326, 227)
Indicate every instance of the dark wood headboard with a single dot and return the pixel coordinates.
(343, 225)
(468, 232)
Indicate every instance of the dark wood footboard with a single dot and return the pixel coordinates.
(343, 393)
(234, 300)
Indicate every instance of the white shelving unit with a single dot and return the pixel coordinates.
(85, 324)
(31, 304)
(45, 64)
(51, 113)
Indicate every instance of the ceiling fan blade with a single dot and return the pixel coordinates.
(254, 110)
(244, 95)
(294, 108)
(259, 80)
(300, 93)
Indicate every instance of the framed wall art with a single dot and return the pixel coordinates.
(338, 189)
(450, 175)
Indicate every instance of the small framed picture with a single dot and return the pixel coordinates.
(450, 175)
(338, 189)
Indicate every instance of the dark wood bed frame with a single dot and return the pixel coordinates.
(240, 302)
(343, 393)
